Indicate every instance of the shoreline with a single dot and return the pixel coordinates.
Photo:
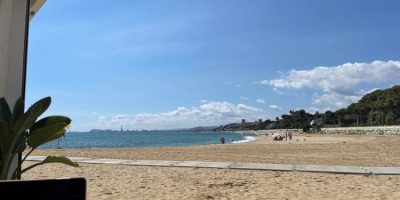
(142, 140)
(248, 136)
(245, 139)
(322, 149)
(144, 182)
(141, 182)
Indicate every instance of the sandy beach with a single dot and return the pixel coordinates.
(133, 182)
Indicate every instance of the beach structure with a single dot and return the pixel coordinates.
(14, 27)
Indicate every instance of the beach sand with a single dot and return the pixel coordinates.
(133, 182)
(345, 150)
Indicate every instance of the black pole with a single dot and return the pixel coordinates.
(25, 58)
(24, 68)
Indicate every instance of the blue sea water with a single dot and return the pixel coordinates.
(140, 139)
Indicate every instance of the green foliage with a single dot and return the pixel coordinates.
(19, 130)
(381, 107)
(390, 117)
(307, 129)
(52, 159)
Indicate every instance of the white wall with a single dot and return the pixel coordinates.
(12, 45)
(13, 19)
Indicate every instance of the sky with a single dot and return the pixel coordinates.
(186, 63)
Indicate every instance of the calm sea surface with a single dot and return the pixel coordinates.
(140, 139)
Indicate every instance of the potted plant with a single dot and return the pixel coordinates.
(22, 130)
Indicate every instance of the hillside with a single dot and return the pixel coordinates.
(380, 107)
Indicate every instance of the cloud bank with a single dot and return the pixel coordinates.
(336, 86)
(211, 113)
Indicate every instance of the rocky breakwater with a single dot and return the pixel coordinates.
(367, 130)
(268, 132)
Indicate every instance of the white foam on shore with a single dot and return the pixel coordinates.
(246, 139)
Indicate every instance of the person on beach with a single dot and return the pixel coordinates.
(222, 140)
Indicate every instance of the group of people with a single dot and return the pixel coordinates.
(275, 137)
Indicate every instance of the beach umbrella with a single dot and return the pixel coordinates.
(275, 135)
(14, 26)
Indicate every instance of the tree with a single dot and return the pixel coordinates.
(390, 118)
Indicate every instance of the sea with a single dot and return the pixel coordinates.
(77, 140)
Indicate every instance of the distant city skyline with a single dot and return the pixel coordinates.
(181, 64)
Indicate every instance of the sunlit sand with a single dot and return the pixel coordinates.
(130, 182)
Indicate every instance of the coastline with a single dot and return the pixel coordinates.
(85, 140)
(246, 139)
(318, 149)
(130, 182)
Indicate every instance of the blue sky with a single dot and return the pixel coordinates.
(175, 64)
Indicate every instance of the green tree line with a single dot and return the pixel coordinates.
(380, 107)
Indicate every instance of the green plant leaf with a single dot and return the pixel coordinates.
(20, 146)
(5, 112)
(59, 159)
(18, 110)
(48, 121)
(42, 103)
(18, 129)
(5, 138)
(52, 159)
(27, 119)
(43, 135)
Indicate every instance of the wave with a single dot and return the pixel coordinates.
(246, 139)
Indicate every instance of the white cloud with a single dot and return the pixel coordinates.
(211, 113)
(339, 78)
(338, 83)
(118, 117)
(314, 109)
(230, 109)
(260, 101)
(102, 118)
(203, 101)
(277, 91)
(217, 107)
(275, 107)
(335, 100)
(244, 98)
